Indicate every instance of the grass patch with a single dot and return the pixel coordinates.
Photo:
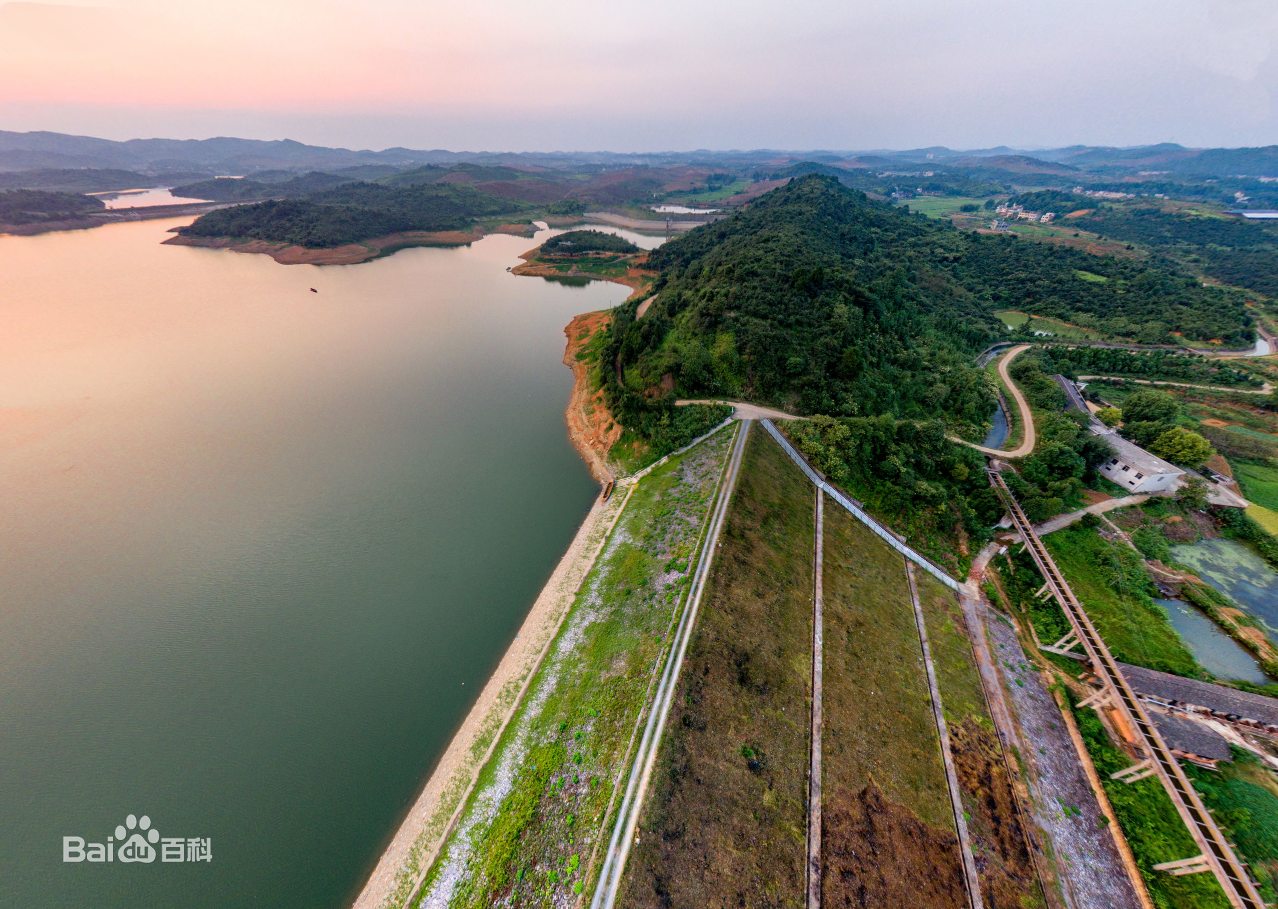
(1149, 821)
(1111, 583)
(944, 206)
(879, 732)
(539, 808)
(1025, 323)
(725, 819)
(1244, 797)
(634, 450)
(1265, 518)
(1259, 484)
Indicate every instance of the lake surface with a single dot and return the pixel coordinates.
(260, 547)
(1219, 654)
(1237, 572)
(142, 198)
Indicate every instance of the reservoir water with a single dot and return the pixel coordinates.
(260, 547)
(142, 198)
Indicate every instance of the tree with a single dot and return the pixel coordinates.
(1150, 406)
(1183, 447)
(1110, 416)
(1144, 432)
(1193, 494)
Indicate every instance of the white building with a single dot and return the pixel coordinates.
(1135, 469)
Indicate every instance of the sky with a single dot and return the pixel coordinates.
(576, 75)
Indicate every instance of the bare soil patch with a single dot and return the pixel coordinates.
(879, 854)
(880, 744)
(1003, 861)
(725, 822)
(590, 424)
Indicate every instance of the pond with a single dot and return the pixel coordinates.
(1218, 653)
(1236, 571)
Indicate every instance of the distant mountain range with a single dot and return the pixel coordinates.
(231, 156)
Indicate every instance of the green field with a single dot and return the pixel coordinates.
(725, 819)
(1264, 517)
(533, 827)
(709, 195)
(1111, 583)
(1259, 484)
(1025, 322)
(943, 206)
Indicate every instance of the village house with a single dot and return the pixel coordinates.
(1135, 469)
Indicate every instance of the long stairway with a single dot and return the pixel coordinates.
(1216, 853)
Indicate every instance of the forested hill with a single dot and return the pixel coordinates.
(353, 212)
(809, 298)
(820, 298)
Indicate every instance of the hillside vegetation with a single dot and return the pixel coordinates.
(821, 300)
(584, 241)
(31, 206)
(353, 212)
(247, 190)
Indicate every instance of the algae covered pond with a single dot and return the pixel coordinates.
(1238, 573)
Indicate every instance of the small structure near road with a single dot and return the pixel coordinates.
(1135, 469)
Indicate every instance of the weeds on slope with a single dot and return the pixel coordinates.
(725, 819)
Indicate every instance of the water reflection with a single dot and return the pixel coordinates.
(259, 545)
(142, 198)
(1219, 654)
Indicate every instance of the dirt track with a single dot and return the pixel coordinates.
(1027, 420)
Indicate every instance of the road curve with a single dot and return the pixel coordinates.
(1022, 405)
(742, 410)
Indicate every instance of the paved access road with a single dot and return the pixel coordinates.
(744, 411)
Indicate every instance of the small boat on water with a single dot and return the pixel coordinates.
(608, 490)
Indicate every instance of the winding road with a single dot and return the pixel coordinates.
(1022, 405)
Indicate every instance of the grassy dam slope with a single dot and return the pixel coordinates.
(725, 818)
(531, 833)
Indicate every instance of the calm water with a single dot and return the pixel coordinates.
(1219, 654)
(997, 436)
(142, 198)
(1238, 573)
(260, 547)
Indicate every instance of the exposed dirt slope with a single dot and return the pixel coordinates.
(880, 854)
(590, 424)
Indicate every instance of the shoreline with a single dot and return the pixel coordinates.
(349, 254)
(408, 857)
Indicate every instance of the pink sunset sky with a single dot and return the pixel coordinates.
(584, 74)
